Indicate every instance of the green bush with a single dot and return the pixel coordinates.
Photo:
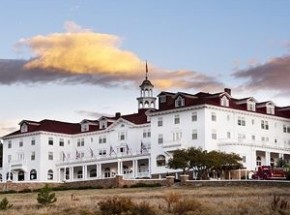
(4, 204)
(115, 205)
(45, 197)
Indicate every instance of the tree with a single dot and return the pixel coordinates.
(4, 204)
(45, 197)
(179, 160)
(204, 162)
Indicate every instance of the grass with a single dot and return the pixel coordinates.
(213, 200)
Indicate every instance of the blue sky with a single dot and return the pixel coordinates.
(70, 60)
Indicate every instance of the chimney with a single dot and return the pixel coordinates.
(118, 115)
(228, 91)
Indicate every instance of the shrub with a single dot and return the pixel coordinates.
(182, 207)
(4, 204)
(115, 205)
(45, 197)
(171, 198)
(145, 185)
(142, 209)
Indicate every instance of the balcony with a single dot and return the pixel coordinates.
(18, 165)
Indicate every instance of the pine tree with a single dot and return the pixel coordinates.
(45, 197)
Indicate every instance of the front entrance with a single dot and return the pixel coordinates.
(20, 175)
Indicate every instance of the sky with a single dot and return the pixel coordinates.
(80, 59)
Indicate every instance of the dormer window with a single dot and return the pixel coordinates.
(85, 127)
(162, 99)
(224, 101)
(179, 102)
(103, 124)
(24, 128)
(270, 109)
(251, 105)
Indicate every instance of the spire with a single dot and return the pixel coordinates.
(146, 71)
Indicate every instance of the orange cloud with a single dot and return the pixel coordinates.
(82, 56)
(82, 52)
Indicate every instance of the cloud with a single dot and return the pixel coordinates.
(7, 127)
(82, 56)
(92, 114)
(272, 75)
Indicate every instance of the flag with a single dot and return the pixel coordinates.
(63, 156)
(143, 148)
(92, 152)
(112, 151)
(78, 154)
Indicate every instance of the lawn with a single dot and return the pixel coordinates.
(238, 200)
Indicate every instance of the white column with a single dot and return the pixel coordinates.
(71, 173)
(267, 158)
(99, 170)
(58, 174)
(134, 169)
(149, 166)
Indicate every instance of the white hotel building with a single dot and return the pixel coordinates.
(138, 145)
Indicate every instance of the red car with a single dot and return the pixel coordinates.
(269, 173)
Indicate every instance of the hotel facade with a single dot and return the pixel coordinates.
(139, 145)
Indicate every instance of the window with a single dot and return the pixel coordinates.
(270, 109)
(213, 116)
(194, 117)
(194, 134)
(50, 141)
(213, 135)
(9, 176)
(146, 133)
(50, 155)
(33, 174)
(93, 173)
(224, 101)
(32, 156)
(253, 137)
(80, 142)
(9, 144)
(160, 122)
(241, 136)
(102, 152)
(21, 143)
(102, 139)
(251, 106)
(228, 118)
(122, 136)
(258, 161)
(160, 160)
(229, 135)
(24, 128)
(107, 172)
(33, 142)
(253, 121)
(241, 121)
(50, 175)
(80, 174)
(244, 159)
(85, 127)
(160, 138)
(264, 125)
(272, 162)
(162, 99)
(176, 136)
(179, 102)
(176, 119)
(61, 142)
(286, 129)
(20, 175)
(9, 158)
